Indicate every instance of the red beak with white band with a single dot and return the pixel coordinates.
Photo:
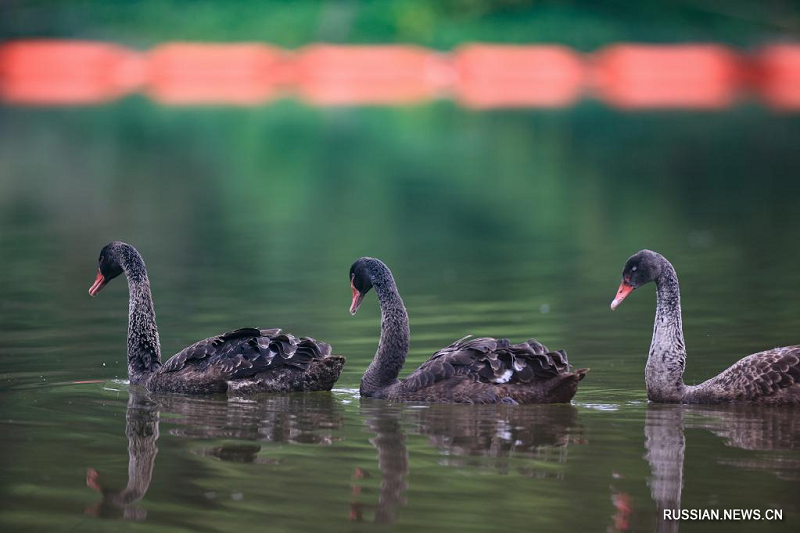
(357, 299)
(99, 282)
(624, 290)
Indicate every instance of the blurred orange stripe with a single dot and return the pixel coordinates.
(689, 76)
(67, 72)
(42, 71)
(187, 73)
(518, 76)
(777, 75)
(341, 75)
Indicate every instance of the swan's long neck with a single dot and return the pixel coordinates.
(667, 357)
(144, 348)
(395, 334)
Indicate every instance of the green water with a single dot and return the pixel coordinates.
(510, 224)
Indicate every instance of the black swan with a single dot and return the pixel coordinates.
(471, 370)
(244, 361)
(770, 377)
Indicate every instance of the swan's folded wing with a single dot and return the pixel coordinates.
(761, 374)
(491, 361)
(248, 351)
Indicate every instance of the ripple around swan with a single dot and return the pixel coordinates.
(377, 461)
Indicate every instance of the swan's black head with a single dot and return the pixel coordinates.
(643, 267)
(360, 282)
(108, 266)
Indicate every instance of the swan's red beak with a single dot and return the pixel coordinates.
(357, 298)
(93, 480)
(99, 283)
(624, 290)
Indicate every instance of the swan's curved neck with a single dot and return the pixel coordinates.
(395, 334)
(144, 348)
(667, 357)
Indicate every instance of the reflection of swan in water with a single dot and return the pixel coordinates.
(753, 428)
(488, 435)
(141, 428)
(299, 418)
(308, 418)
(665, 444)
(237, 453)
(465, 435)
(390, 441)
(748, 427)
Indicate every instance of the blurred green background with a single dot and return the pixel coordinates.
(585, 25)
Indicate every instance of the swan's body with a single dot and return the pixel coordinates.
(769, 377)
(487, 370)
(247, 361)
(244, 361)
(471, 370)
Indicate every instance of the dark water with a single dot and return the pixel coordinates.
(511, 224)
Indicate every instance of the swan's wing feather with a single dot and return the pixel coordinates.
(490, 361)
(761, 374)
(248, 351)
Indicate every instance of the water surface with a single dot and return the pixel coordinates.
(511, 224)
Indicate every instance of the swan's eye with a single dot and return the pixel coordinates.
(634, 269)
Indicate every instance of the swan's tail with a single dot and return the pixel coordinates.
(566, 385)
(323, 373)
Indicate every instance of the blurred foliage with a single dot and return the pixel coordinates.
(583, 24)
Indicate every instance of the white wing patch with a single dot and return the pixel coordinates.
(505, 378)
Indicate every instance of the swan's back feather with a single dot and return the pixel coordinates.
(491, 361)
(773, 374)
(245, 352)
